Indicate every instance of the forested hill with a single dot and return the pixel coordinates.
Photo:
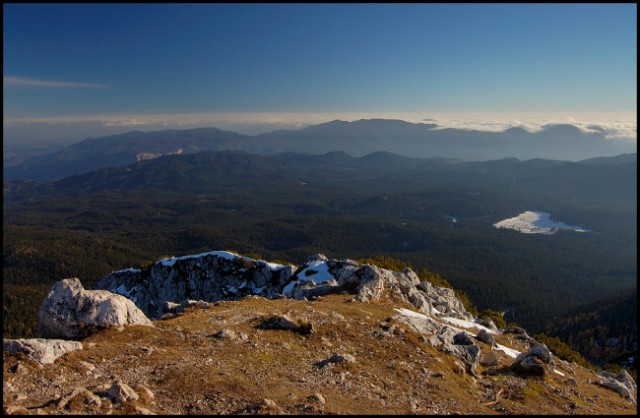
(288, 206)
(605, 331)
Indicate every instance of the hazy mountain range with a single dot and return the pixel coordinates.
(358, 138)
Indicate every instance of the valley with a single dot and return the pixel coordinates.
(288, 206)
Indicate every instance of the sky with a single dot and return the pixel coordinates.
(76, 71)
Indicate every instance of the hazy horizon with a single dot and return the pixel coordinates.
(73, 72)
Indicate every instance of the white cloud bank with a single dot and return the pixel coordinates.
(614, 125)
(620, 125)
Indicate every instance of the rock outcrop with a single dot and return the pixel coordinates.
(209, 277)
(45, 351)
(221, 275)
(69, 311)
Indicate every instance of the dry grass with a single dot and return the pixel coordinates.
(192, 372)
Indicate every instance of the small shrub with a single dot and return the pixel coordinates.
(384, 262)
(495, 316)
(563, 351)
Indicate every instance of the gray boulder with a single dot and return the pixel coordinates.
(487, 322)
(622, 383)
(336, 358)
(282, 322)
(69, 311)
(45, 351)
(534, 362)
(462, 338)
(489, 359)
(421, 325)
(121, 392)
(486, 338)
(445, 340)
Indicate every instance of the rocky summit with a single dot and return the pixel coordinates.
(219, 333)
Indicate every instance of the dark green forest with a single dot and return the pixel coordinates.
(291, 206)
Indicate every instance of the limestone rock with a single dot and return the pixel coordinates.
(82, 395)
(486, 338)
(145, 394)
(266, 405)
(336, 358)
(317, 397)
(423, 326)
(209, 277)
(462, 338)
(225, 334)
(444, 337)
(533, 362)
(487, 322)
(43, 350)
(282, 322)
(70, 311)
(220, 275)
(622, 383)
(121, 392)
(489, 359)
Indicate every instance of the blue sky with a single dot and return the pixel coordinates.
(73, 61)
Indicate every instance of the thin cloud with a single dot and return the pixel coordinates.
(9, 81)
(612, 126)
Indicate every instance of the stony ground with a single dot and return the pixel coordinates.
(218, 360)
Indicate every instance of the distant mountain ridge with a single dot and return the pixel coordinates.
(358, 138)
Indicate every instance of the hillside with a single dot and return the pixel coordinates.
(583, 327)
(341, 352)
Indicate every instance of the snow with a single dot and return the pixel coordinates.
(168, 262)
(535, 222)
(227, 255)
(407, 312)
(121, 290)
(273, 266)
(320, 275)
(129, 270)
(467, 324)
(508, 351)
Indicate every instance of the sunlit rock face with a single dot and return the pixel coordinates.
(222, 275)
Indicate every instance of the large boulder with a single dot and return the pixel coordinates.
(486, 338)
(70, 311)
(42, 350)
(534, 362)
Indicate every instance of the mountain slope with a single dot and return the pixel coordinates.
(564, 142)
